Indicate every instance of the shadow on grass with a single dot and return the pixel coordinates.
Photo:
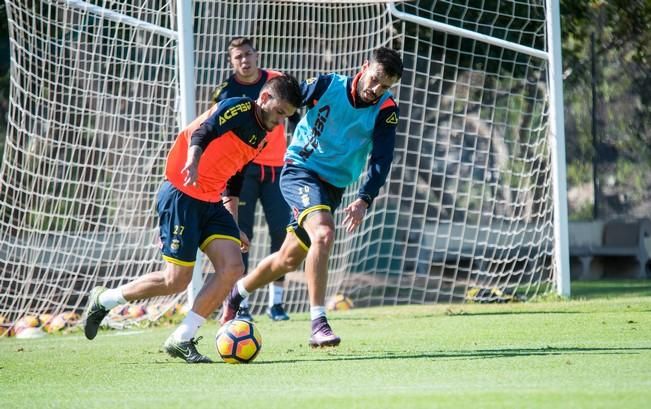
(335, 355)
(485, 313)
(461, 355)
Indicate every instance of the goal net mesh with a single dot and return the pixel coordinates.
(466, 213)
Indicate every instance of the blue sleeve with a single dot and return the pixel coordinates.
(231, 113)
(313, 88)
(384, 142)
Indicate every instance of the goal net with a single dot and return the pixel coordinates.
(467, 212)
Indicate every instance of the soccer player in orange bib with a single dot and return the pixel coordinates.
(261, 177)
(202, 166)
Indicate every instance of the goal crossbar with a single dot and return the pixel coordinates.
(462, 32)
(121, 18)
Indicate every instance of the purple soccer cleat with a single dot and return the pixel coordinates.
(322, 335)
(231, 305)
(228, 313)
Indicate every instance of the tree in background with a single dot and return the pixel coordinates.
(622, 114)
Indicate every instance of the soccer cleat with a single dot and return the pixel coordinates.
(186, 350)
(228, 312)
(322, 335)
(277, 313)
(244, 314)
(231, 306)
(95, 313)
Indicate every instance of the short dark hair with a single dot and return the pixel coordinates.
(389, 60)
(285, 87)
(240, 42)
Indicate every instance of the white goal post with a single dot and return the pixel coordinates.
(474, 208)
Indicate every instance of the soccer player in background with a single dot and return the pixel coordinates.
(347, 118)
(203, 166)
(261, 177)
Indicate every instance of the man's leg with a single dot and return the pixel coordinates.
(288, 258)
(320, 227)
(172, 280)
(227, 261)
(277, 215)
(226, 258)
(251, 190)
(275, 308)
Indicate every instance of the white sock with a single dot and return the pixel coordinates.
(275, 294)
(112, 298)
(272, 294)
(241, 289)
(317, 311)
(189, 327)
(245, 303)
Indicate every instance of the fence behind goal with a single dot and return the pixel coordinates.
(467, 212)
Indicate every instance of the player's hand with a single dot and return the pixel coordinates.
(244, 247)
(355, 213)
(190, 172)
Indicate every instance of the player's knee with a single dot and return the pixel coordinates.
(323, 236)
(289, 262)
(176, 279)
(233, 271)
(287, 259)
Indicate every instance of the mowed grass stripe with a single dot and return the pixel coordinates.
(593, 352)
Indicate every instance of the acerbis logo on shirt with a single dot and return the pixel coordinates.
(234, 110)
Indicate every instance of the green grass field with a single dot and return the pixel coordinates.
(593, 351)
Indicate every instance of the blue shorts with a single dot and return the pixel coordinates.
(305, 192)
(187, 224)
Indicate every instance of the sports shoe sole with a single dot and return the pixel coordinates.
(331, 343)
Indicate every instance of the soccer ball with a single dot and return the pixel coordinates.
(238, 342)
(136, 311)
(119, 313)
(340, 302)
(28, 321)
(63, 321)
(4, 326)
(46, 320)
